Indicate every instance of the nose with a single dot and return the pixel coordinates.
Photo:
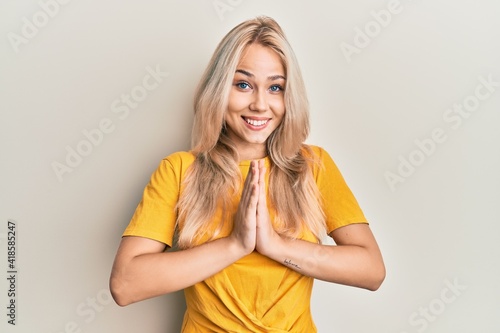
(259, 102)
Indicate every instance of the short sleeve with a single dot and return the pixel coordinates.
(156, 215)
(339, 204)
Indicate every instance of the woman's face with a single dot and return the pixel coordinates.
(256, 102)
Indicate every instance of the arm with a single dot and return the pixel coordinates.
(142, 270)
(355, 261)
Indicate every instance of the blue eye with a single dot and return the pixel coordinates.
(242, 85)
(276, 88)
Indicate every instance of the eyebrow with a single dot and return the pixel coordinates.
(272, 77)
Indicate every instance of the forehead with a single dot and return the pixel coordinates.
(261, 59)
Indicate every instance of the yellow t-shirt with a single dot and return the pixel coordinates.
(254, 294)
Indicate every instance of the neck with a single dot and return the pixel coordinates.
(252, 152)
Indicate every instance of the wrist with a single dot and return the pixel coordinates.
(276, 248)
(236, 247)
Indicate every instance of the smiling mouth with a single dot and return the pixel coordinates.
(256, 122)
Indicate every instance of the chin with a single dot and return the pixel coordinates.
(258, 141)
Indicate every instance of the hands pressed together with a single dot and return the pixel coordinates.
(253, 229)
(354, 261)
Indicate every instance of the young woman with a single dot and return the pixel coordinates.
(248, 204)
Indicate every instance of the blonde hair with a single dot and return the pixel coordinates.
(214, 176)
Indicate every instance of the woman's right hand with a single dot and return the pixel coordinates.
(245, 221)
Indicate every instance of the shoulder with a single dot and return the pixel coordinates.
(180, 158)
(320, 160)
(176, 163)
(312, 151)
(316, 154)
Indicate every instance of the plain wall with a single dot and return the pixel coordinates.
(399, 96)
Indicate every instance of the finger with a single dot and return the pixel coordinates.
(254, 193)
(250, 196)
(262, 182)
(253, 200)
(247, 187)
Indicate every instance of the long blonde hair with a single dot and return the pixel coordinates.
(214, 176)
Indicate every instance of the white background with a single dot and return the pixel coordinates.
(438, 225)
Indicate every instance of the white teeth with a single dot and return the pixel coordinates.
(256, 122)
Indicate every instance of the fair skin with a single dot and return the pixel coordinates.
(256, 103)
(143, 269)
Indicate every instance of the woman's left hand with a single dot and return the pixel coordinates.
(355, 260)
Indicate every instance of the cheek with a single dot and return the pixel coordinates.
(236, 102)
(278, 107)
